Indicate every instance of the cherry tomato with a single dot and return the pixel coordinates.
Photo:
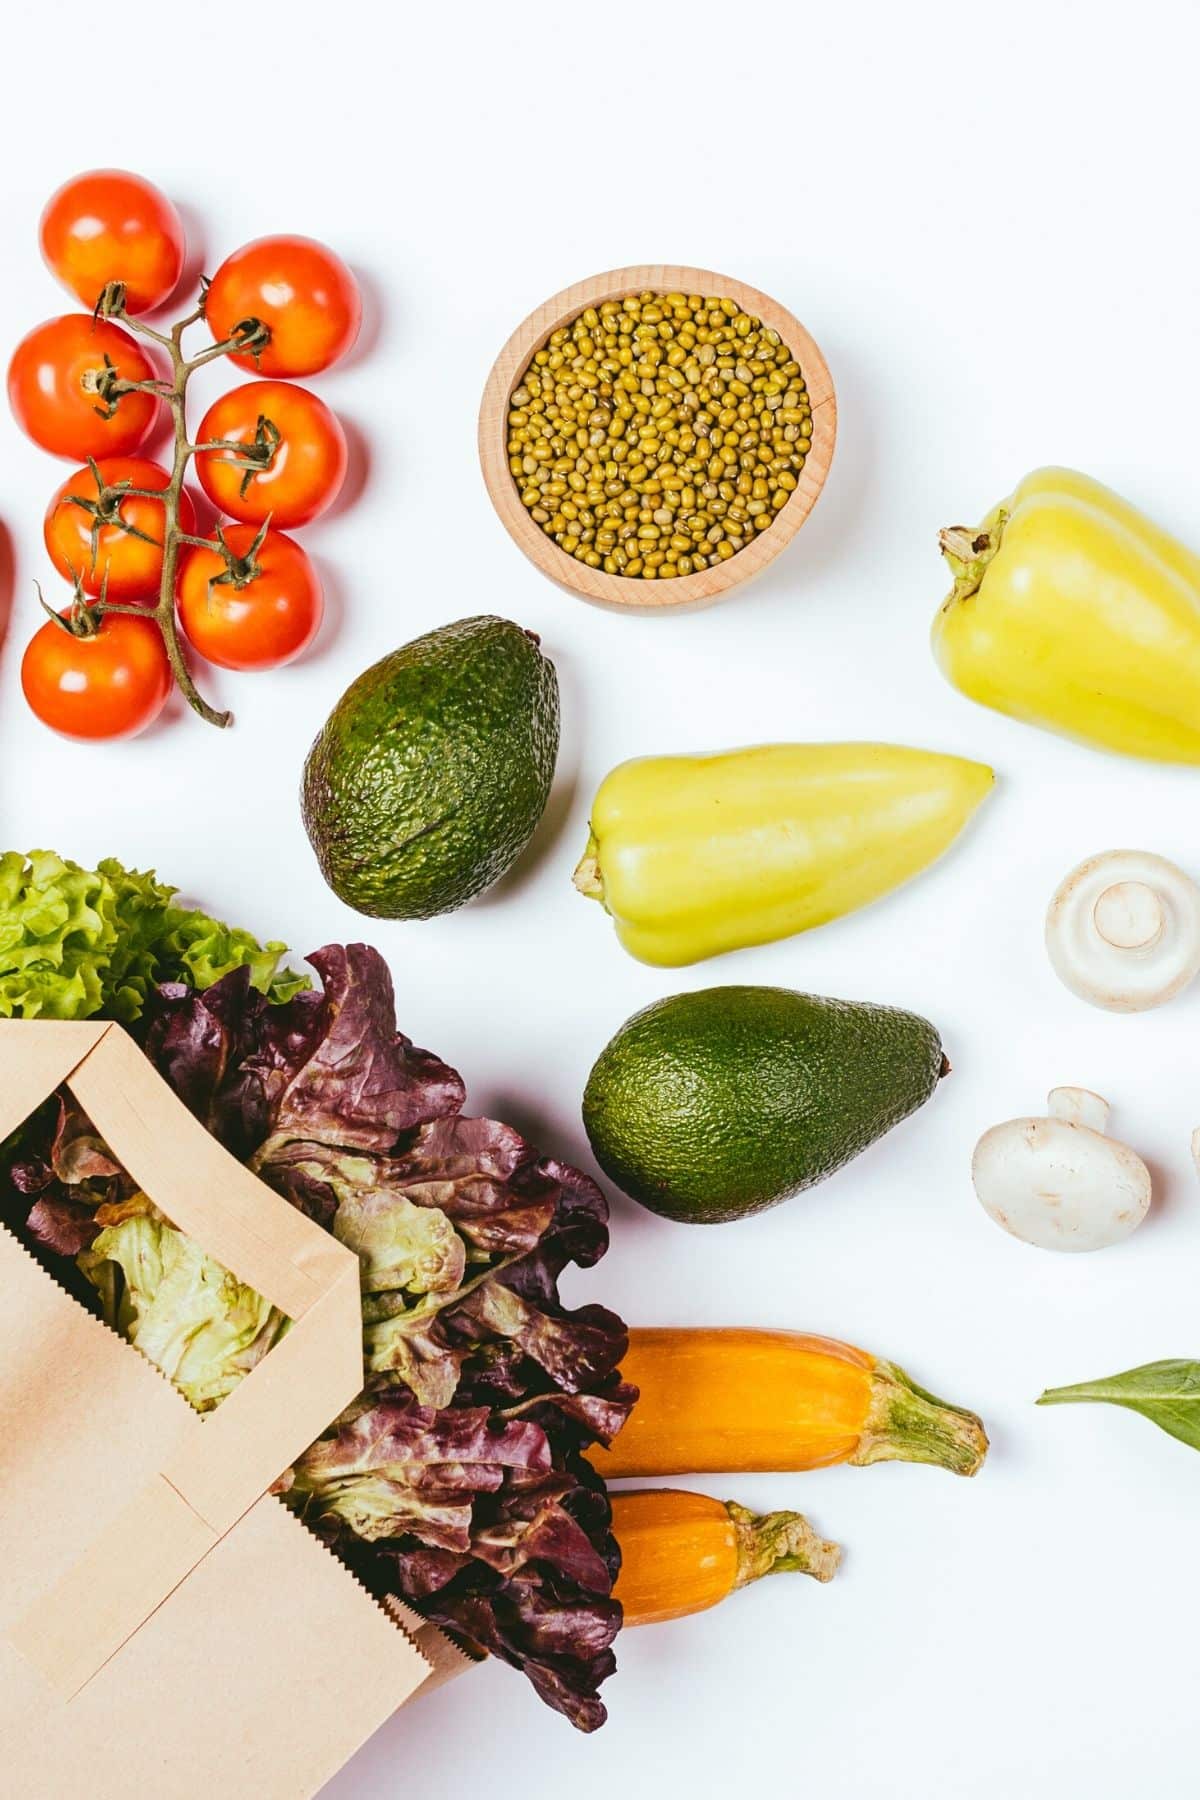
(302, 292)
(109, 684)
(301, 440)
(267, 620)
(94, 535)
(53, 393)
(109, 226)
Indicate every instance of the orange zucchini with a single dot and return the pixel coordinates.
(682, 1553)
(719, 1401)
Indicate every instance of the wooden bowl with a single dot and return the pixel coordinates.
(680, 590)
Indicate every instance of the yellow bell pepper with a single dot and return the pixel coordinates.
(1072, 611)
(694, 855)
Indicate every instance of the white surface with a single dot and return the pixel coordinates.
(986, 217)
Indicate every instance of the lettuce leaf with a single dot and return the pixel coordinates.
(364, 1084)
(534, 1589)
(204, 1329)
(381, 1470)
(79, 942)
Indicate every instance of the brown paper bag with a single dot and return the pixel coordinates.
(167, 1627)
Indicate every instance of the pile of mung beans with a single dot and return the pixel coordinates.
(657, 435)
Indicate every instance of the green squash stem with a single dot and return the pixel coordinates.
(776, 1542)
(906, 1424)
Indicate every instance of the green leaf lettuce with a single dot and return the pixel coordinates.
(202, 1327)
(77, 942)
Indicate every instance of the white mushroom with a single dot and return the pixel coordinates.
(1123, 930)
(1059, 1182)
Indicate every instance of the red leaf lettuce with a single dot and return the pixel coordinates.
(457, 1479)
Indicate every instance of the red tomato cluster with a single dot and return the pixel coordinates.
(268, 454)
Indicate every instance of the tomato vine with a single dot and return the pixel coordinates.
(249, 338)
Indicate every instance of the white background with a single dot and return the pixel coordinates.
(986, 217)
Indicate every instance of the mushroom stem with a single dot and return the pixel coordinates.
(1123, 930)
(1129, 916)
(1079, 1106)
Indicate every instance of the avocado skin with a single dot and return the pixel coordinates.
(430, 774)
(710, 1106)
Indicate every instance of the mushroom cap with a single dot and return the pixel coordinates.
(1123, 930)
(1059, 1185)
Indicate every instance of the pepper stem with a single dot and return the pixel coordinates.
(776, 1542)
(968, 552)
(587, 876)
(905, 1424)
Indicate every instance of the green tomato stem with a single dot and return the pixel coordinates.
(175, 393)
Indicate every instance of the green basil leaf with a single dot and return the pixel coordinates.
(1166, 1393)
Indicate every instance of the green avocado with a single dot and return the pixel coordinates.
(431, 772)
(714, 1105)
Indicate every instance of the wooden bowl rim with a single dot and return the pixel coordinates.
(703, 584)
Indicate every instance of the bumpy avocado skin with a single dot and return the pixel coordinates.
(714, 1105)
(433, 769)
